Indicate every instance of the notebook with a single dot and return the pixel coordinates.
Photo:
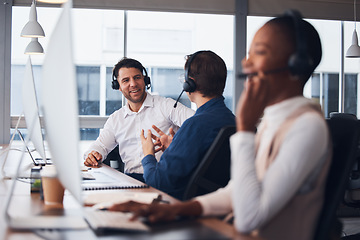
(36, 161)
(99, 197)
(106, 182)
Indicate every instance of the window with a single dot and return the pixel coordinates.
(351, 86)
(323, 86)
(88, 90)
(162, 40)
(113, 97)
(159, 40)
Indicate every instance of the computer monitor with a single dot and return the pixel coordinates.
(61, 125)
(36, 161)
(60, 104)
(31, 110)
(31, 113)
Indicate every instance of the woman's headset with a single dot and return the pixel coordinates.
(300, 62)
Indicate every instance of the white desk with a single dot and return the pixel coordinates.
(24, 203)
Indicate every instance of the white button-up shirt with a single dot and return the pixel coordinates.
(124, 126)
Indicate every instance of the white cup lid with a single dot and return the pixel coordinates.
(48, 171)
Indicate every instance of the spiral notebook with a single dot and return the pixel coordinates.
(105, 182)
(110, 186)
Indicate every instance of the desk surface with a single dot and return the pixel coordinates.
(25, 204)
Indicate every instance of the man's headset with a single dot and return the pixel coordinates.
(115, 84)
(189, 84)
(300, 63)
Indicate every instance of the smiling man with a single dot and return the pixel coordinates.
(141, 111)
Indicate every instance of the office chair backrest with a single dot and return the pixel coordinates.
(114, 156)
(213, 171)
(345, 137)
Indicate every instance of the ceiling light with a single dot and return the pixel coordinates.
(34, 48)
(354, 49)
(32, 29)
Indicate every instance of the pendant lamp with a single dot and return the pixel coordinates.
(354, 49)
(34, 48)
(32, 29)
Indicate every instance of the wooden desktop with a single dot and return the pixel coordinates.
(25, 203)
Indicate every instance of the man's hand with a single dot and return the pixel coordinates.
(164, 140)
(147, 143)
(93, 159)
(252, 103)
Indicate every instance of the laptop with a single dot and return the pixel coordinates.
(36, 161)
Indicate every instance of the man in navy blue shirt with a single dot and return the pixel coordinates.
(205, 77)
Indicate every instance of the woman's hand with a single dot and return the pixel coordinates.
(252, 103)
(155, 212)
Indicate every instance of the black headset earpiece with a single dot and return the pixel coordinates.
(116, 86)
(300, 62)
(189, 85)
(146, 79)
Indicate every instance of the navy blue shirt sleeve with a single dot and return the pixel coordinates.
(173, 171)
(179, 160)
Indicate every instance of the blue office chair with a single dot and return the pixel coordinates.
(345, 131)
(213, 172)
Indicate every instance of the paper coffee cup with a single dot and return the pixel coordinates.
(52, 188)
(114, 164)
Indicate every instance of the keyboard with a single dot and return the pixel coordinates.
(42, 162)
(102, 220)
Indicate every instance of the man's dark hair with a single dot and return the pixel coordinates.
(310, 35)
(209, 73)
(127, 63)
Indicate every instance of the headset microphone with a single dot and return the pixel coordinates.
(189, 84)
(178, 98)
(272, 71)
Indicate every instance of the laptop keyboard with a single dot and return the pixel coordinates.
(113, 220)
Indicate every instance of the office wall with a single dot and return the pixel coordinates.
(5, 65)
(197, 6)
(315, 9)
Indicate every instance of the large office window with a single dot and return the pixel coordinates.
(324, 86)
(351, 93)
(88, 90)
(161, 40)
(113, 97)
(157, 39)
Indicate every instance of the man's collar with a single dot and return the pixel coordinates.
(148, 102)
(210, 103)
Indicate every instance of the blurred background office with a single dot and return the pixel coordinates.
(160, 40)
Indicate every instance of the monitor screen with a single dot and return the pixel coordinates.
(31, 110)
(60, 104)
